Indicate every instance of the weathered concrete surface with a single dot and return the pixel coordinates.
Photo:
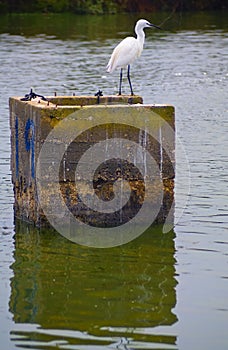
(93, 100)
(123, 117)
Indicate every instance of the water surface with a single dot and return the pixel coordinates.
(159, 291)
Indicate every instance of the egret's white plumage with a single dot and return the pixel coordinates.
(128, 50)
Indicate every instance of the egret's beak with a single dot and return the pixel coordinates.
(153, 25)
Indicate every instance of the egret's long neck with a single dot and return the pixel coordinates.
(140, 35)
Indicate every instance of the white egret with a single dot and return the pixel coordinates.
(128, 50)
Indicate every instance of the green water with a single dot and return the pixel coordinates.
(60, 285)
(87, 27)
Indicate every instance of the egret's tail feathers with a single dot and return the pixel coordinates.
(109, 68)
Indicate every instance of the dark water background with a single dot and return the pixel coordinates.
(159, 291)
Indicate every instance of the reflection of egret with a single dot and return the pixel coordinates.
(128, 50)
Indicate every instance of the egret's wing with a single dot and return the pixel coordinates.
(123, 54)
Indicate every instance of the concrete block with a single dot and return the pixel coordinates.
(138, 130)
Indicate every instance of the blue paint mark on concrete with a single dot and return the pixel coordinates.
(17, 147)
(29, 136)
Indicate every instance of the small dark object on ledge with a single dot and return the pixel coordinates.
(32, 95)
(98, 94)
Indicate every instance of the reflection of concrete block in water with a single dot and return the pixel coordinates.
(130, 149)
(63, 286)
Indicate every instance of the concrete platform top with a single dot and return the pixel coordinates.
(83, 100)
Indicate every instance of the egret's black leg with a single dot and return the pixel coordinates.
(129, 80)
(121, 76)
